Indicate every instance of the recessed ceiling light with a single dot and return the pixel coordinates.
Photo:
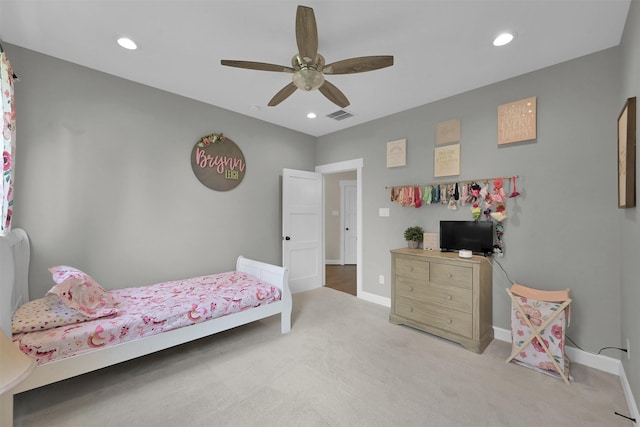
(503, 39)
(127, 43)
(254, 108)
(311, 115)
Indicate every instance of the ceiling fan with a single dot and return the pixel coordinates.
(308, 66)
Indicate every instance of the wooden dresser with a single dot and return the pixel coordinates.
(443, 294)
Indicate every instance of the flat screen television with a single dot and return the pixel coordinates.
(476, 236)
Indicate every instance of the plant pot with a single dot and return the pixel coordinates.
(413, 244)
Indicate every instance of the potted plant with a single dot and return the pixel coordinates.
(413, 235)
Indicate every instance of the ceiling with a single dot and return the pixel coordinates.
(440, 47)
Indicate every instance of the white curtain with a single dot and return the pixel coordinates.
(8, 145)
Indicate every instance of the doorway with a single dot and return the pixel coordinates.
(341, 231)
(306, 263)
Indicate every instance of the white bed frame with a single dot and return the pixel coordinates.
(14, 291)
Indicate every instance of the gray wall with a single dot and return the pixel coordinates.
(629, 227)
(562, 231)
(104, 179)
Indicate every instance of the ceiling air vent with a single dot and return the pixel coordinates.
(340, 115)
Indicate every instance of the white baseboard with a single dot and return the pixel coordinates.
(595, 361)
(333, 261)
(628, 394)
(376, 299)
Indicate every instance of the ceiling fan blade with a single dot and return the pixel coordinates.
(358, 65)
(262, 66)
(333, 94)
(283, 94)
(306, 33)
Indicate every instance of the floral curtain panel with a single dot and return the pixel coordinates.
(8, 145)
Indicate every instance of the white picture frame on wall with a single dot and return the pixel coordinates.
(446, 160)
(448, 131)
(396, 153)
(517, 121)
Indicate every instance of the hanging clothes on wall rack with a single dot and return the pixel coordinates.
(512, 177)
(475, 192)
(407, 196)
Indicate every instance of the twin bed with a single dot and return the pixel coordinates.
(101, 328)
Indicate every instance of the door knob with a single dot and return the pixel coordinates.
(347, 228)
(287, 238)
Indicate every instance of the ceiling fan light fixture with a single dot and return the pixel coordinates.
(308, 79)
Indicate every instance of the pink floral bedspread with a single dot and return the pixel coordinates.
(149, 310)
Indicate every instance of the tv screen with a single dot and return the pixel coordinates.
(476, 236)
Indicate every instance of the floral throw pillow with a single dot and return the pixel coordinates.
(79, 291)
(44, 313)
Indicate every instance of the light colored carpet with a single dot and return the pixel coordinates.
(342, 364)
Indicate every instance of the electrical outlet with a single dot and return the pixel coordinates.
(381, 279)
(628, 349)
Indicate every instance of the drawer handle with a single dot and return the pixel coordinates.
(410, 309)
(449, 321)
(450, 275)
(449, 297)
(410, 289)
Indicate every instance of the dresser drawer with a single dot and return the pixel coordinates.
(448, 297)
(412, 268)
(449, 320)
(451, 275)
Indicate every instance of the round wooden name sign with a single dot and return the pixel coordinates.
(218, 162)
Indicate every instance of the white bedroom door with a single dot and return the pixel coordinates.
(349, 218)
(302, 228)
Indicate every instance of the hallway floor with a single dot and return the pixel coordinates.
(341, 278)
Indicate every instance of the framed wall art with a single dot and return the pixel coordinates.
(627, 155)
(517, 121)
(448, 131)
(397, 153)
(446, 160)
